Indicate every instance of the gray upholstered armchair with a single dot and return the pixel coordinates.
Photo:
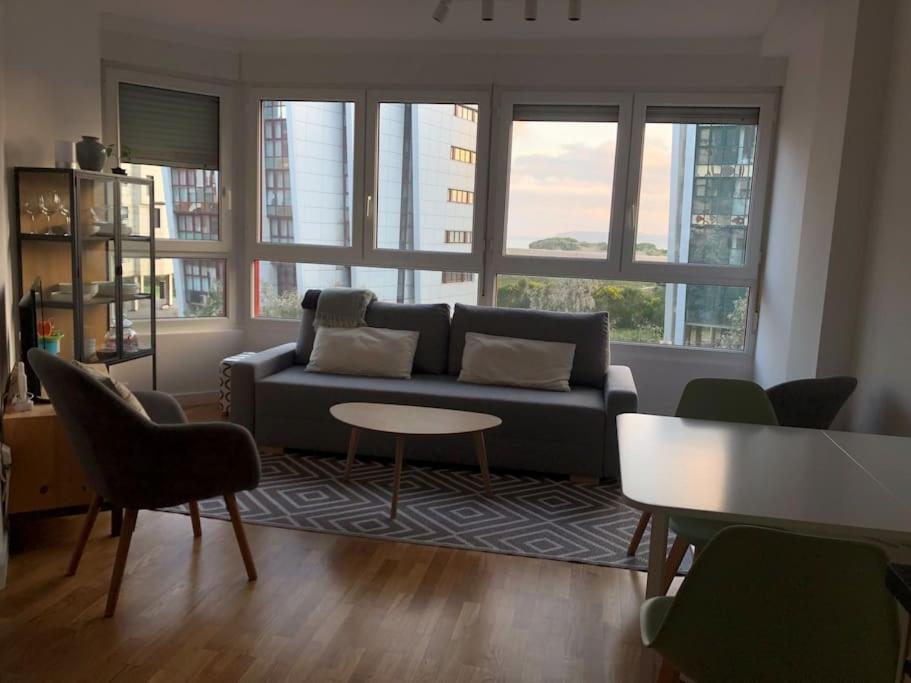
(135, 463)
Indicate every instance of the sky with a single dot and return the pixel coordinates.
(561, 181)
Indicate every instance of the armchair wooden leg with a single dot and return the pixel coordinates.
(237, 522)
(120, 562)
(84, 534)
(674, 560)
(667, 673)
(194, 518)
(634, 542)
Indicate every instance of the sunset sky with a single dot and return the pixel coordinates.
(561, 180)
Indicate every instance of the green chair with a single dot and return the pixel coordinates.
(725, 400)
(768, 605)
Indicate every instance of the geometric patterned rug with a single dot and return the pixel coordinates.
(530, 515)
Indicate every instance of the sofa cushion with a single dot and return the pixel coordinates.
(364, 350)
(588, 331)
(570, 420)
(431, 320)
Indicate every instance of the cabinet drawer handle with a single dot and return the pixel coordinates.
(44, 489)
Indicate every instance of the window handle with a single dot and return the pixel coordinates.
(369, 204)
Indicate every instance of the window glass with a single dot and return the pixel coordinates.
(561, 178)
(695, 192)
(278, 287)
(186, 201)
(184, 287)
(705, 316)
(426, 170)
(307, 172)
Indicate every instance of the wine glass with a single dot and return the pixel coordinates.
(63, 210)
(47, 209)
(31, 210)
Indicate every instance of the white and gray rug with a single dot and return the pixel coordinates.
(528, 515)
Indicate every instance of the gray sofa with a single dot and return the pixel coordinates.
(567, 433)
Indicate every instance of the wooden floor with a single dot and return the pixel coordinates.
(325, 608)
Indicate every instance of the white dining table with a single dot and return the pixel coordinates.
(823, 482)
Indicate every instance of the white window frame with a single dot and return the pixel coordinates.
(302, 252)
(220, 249)
(693, 273)
(620, 264)
(362, 251)
(472, 261)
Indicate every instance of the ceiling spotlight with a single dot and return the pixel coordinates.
(575, 10)
(486, 10)
(439, 14)
(531, 10)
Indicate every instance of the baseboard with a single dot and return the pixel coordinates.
(197, 398)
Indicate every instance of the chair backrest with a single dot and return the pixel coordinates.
(726, 400)
(762, 604)
(811, 403)
(100, 425)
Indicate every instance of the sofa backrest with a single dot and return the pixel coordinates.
(431, 320)
(588, 331)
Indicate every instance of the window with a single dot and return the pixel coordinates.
(647, 205)
(705, 316)
(449, 277)
(278, 296)
(461, 196)
(307, 160)
(696, 185)
(561, 181)
(467, 112)
(458, 237)
(184, 288)
(417, 147)
(462, 154)
(170, 129)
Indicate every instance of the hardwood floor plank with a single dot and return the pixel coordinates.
(324, 608)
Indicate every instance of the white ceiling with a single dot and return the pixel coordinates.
(292, 20)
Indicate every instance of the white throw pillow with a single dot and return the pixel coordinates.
(367, 351)
(514, 362)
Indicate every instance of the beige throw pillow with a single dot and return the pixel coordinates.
(118, 388)
(367, 351)
(514, 362)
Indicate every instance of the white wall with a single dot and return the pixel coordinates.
(883, 363)
(813, 36)
(51, 91)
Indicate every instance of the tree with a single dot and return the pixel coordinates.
(273, 304)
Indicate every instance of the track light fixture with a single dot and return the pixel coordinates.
(439, 14)
(486, 10)
(575, 10)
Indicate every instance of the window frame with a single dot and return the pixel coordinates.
(302, 252)
(487, 257)
(498, 261)
(696, 273)
(472, 260)
(222, 248)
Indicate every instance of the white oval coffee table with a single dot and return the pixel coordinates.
(404, 421)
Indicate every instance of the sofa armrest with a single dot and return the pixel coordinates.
(620, 396)
(245, 373)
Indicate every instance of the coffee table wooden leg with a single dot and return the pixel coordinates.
(352, 450)
(399, 460)
(481, 449)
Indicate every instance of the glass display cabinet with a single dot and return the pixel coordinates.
(87, 263)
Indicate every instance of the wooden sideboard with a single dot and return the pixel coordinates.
(45, 475)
